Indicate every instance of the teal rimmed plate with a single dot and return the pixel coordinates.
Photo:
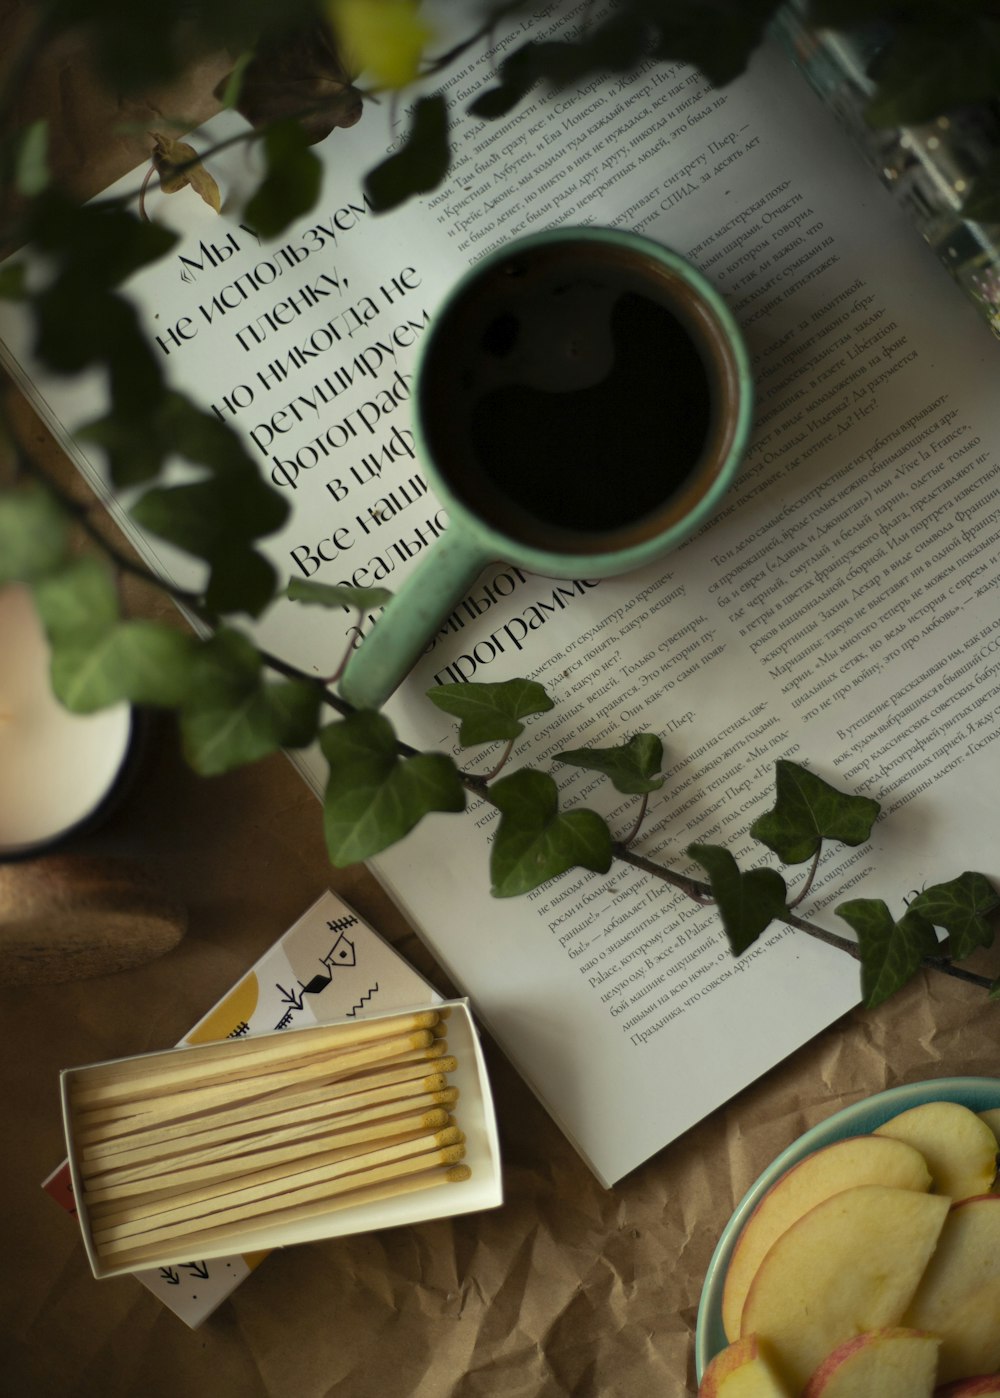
(979, 1094)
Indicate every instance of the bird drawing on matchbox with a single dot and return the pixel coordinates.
(582, 402)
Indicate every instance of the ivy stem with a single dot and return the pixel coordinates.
(508, 749)
(809, 881)
(81, 515)
(476, 784)
(821, 934)
(332, 679)
(694, 888)
(702, 893)
(627, 840)
(142, 193)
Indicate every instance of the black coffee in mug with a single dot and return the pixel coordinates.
(575, 389)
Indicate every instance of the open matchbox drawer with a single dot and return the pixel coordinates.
(249, 1144)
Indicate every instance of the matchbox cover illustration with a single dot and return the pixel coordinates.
(329, 965)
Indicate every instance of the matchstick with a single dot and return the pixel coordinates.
(186, 1246)
(276, 1127)
(187, 1220)
(216, 1163)
(130, 1083)
(237, 1053)
(309, 1169)
(171, 1106)
(383, 1085)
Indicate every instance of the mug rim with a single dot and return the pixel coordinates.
(495, 542)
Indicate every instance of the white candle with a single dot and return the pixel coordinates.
(55, 767)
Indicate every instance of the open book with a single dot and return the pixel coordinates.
(843, 607)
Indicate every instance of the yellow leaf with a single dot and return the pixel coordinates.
(177, 165)
(385, 38)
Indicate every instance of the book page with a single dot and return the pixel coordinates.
(840, 609)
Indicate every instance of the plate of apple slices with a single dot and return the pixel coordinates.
(865, 1261)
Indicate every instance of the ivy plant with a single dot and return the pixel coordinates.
(296, 81)
(236, 704)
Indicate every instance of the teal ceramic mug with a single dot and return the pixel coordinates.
(582, 401)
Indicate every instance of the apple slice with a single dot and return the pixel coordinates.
(855, 1161)
(959, 1297)
(743, 1370)
(979, 1387)
(889, 1363)
(850, 1264)
(959, 1147)
(992, 1118)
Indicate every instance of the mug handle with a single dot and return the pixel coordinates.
(400, 636)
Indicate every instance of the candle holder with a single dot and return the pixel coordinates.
(61, 774)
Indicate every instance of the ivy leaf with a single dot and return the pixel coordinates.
(809, 810)
(933, 63)
(291, 185)
(718, 38)
(78, 324)
(212, 521)
(232, 715)
(633, 766)
(98, 659)
(615, 44)
(891, 952)
(178, 166)
(77, 603)
(199, 436)
(536, 842)
(386, 40)
(490, 712)
(420, 164)
(13, 281)
(135, 453)
(32, 167)
(99, 244)
(748, 902)
(137, 50)
(138, 444)
(337, 595)
(207, 517)
(296, 72)
(230, 88)
(517, 74)
(960, 907)
(374, 796)
(34, 533)
(242, 580)
(144, 662)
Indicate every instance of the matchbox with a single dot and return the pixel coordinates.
(314, 1132)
